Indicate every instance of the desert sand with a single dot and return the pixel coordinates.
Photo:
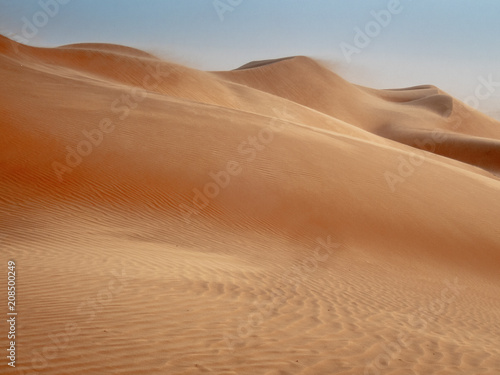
(273, 219)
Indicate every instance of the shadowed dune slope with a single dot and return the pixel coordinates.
(203, 189)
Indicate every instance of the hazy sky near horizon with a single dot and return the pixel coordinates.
(449, 43)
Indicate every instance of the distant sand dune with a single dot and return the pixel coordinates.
(256, 64)
(439, 104)
(105, 47)
(274, 219)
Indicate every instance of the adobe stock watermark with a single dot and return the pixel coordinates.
(419, 322)
(56, 343)
(292, 278)
(372, 29)
(121, 107)
(221, 179)
(223, 6)
(32, 25)
(408, 164)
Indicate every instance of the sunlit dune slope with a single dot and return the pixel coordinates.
(163, 146)
(208, 187)
(429, 118)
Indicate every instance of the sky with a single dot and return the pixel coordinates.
(452, 44)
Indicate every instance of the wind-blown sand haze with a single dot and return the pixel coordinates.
(272, 219)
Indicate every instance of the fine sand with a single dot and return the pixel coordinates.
(273, 219)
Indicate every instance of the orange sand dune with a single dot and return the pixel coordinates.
(410, 110)
(274, 219)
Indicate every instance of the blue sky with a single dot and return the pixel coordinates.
(449, 43)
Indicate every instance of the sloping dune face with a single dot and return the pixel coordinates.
(274, 219)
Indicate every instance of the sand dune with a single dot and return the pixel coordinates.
(274, 219)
